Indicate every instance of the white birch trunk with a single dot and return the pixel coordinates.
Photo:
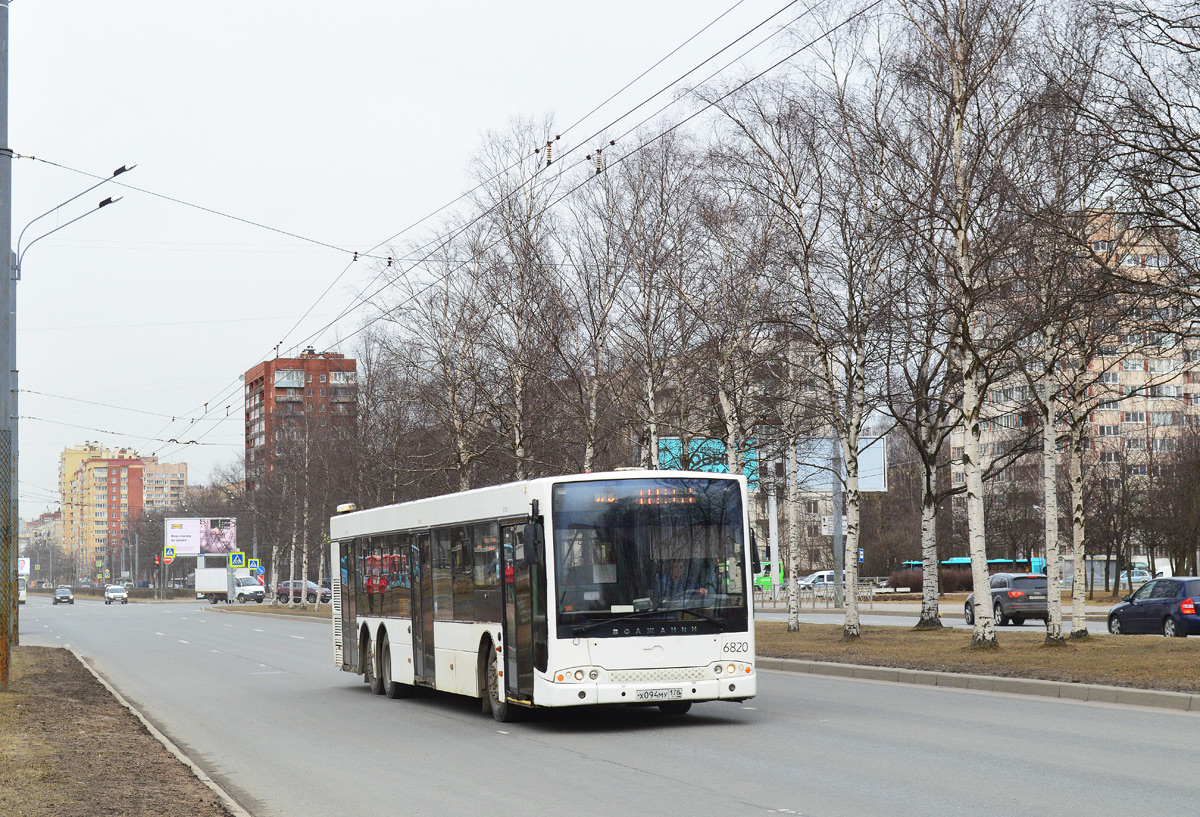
(984, 634)
(1079, 587)
(851, 628)
(793, 539)
(930, 614)
(651, 424)
(1054, 631)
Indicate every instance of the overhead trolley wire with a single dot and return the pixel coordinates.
(536, 176)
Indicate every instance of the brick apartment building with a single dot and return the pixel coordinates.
(103, 491)
(315, 391)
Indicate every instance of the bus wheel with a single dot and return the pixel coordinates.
(392, 689)
(501, 709)
(675, 707)
(372, 677)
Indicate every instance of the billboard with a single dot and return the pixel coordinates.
(814, 458)
(23, 566)
(191, 537)
(707, 454)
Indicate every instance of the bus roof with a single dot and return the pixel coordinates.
(508, 499)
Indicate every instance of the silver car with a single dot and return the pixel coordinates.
(1015, 597)
(115, 592)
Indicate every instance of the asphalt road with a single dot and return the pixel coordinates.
(257, 703)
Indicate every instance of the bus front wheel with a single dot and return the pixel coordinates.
(501, 709)
(675, 707)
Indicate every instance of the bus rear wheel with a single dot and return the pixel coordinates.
(370, 674)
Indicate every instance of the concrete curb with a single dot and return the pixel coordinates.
(1096, 693)
(226, 798)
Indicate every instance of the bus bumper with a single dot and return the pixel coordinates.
(549, 693)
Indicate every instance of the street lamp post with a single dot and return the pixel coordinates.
(10, 273)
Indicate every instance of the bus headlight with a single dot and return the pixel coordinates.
(578, 675)
(594, 674)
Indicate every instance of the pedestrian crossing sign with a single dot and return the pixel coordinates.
(253, 565)
(237, 559)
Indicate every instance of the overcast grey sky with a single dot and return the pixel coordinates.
(340, 122)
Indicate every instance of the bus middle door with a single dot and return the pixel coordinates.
(421, 579)
(518, 614)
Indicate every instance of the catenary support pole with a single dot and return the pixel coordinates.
(8, 389)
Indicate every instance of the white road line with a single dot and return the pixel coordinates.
(299, 637)
(158, 633)
(258, 631)
(181, 641)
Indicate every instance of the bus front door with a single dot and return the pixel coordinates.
(518, 615)
(348, 622)
(421, 579)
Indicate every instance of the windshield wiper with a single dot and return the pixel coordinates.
(581, 629)
(694, 611)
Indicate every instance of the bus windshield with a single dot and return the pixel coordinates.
(654, 550)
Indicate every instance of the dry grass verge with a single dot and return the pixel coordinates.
(1146, 662)
(67, 747)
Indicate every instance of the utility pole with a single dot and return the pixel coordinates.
(8, 388)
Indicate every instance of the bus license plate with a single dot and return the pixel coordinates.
(658, 695)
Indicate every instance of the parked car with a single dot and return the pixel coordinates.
(1166, 606)
(294, 588)
(1139, 576)
(1015, 597)
(63, 595)
(115, 592)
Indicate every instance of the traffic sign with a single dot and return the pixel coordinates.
(237, 559)
(107, 575)
(260, 570)
(168, 555)
(252, 564)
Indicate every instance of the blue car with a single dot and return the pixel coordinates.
(1166, 606)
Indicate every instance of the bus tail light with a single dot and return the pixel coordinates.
(1188, 607)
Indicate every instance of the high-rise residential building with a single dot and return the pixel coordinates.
(314, 393)
(1143, 392)
(102, 493)
(163, 485)
(42, 541)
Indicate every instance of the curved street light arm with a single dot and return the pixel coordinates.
(21, 255)
(115, 173)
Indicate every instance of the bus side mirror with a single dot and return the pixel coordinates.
(755, 560)
(535, 542)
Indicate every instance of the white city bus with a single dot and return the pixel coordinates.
(630, 587)
(21, 589)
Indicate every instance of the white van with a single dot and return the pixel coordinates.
(820, 579)
(21, 589)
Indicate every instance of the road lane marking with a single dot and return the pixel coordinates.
(181, 641)
(257, 630)
(158, 633)
(299, 637)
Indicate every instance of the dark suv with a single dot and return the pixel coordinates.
(1015, 597)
